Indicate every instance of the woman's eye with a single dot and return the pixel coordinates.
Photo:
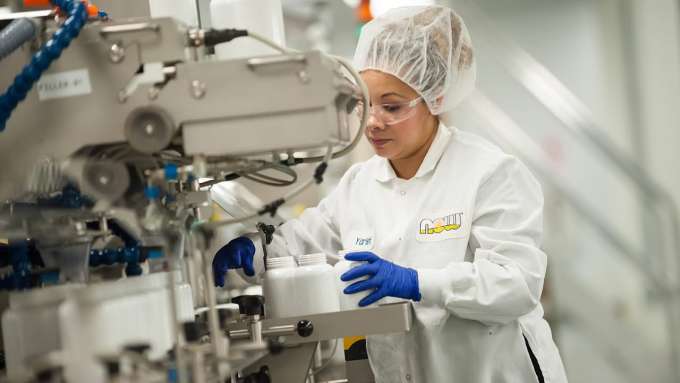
(392, 108)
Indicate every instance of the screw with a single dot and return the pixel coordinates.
(149, 129)
(81, 228)
(116, 53)
(196, 37)
(197, 89)
(303, 76)
(153, 93)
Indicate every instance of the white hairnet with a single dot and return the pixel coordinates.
(426, 47)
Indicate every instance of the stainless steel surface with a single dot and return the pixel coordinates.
(292, 365)
(384, 319)
(279, 59)
(27, 14)
(279, 330)
(132, 27)
(359, 371)
(294, 361)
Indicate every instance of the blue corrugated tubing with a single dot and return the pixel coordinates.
(114, 256)
(61, 39)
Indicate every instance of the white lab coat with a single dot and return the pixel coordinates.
(470, 222)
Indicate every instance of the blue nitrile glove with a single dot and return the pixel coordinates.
(387, 278)
(236, 254)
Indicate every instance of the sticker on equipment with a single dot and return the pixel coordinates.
(64, 84)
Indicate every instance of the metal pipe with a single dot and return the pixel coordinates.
(255, 326)
(15, 35)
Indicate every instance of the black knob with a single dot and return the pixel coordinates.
(48, 375)
(275, 347)
(250, 304)
(112, 368)
(194, 331)
(305, 328)
(261, 376)
(138, 348)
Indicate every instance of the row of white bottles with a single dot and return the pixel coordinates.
(307, 284)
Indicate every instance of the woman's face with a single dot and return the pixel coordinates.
(402, 139)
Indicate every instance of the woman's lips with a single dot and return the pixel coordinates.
(379, 142)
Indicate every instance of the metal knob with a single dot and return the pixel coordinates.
(305, 328)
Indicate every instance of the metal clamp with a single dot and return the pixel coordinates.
(125, 28)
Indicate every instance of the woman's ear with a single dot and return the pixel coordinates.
(438, 102)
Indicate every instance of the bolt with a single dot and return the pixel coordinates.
(116, 53)
(196, 37)
(81, 228)
(197, 89)
(153, 93)
(303, 76)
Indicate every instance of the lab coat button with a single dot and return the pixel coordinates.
(408, 377)
(402, 192)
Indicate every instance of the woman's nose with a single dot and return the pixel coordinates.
(374, 122)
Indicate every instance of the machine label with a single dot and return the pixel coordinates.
(64, 84)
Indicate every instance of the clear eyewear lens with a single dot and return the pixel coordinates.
(391, 114)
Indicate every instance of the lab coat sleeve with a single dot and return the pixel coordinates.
(505, 279)
(314, 231)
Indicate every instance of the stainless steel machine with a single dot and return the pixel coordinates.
(108, 151)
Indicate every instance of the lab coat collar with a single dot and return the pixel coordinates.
(386, 173)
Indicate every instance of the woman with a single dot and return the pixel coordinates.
(439, 216)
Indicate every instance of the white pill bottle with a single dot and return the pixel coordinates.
(347, 301)
(316, 290)
(278, 287)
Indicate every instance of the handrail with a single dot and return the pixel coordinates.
(506, 132)
(549, 91)
(509, 134)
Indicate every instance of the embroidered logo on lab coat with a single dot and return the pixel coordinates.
(442, 227)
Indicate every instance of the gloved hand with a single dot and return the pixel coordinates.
(236, 254)
(387, 278)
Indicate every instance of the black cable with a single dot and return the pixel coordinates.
(217, 36)
(272, 207)
(319, 171)
(272, 181)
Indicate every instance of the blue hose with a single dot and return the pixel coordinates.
(114, 256)
(42, 59)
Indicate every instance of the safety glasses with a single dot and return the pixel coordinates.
(392, 113)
